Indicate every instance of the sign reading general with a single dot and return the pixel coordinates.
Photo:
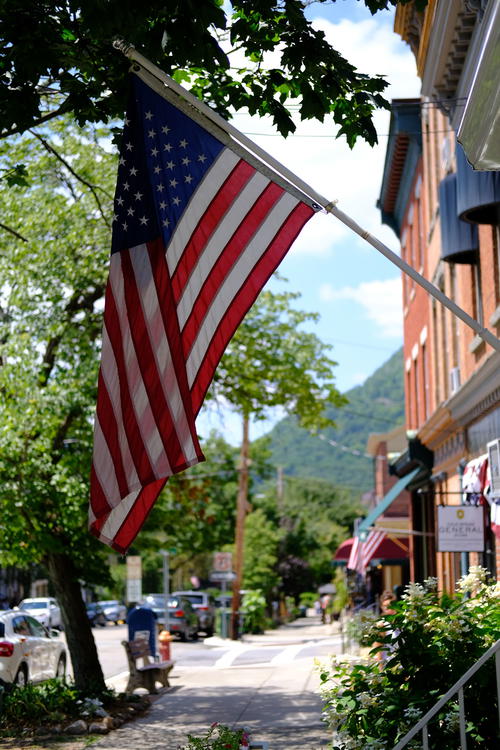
(460, 528)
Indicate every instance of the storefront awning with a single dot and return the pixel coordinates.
(370, 519)
(344, 550)
(378, 546)
(459, 239)
(478, 193)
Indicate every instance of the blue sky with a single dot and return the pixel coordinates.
(354, 288)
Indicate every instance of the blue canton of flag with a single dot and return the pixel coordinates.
(164, 156)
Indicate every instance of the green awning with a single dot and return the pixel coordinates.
(370, 519)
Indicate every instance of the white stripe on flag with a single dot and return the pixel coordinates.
(153, 444)
(200, 201)
(160, 348)
(118, 515)
(234, 280)
(111, 378)
(231, 221)
(104, 465)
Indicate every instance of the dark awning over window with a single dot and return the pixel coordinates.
(478, 193)
(459, 239)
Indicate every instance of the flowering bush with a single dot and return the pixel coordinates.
(426, 645)
(218, 737)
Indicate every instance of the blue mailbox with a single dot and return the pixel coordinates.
(141, 623)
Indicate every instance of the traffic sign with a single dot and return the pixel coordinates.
(222, 575)
(223, 562)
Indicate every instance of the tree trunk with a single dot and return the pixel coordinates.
(86, 666)
(241, 511)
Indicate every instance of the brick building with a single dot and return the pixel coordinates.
(447, 218)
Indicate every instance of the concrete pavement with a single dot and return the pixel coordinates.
(278, 702)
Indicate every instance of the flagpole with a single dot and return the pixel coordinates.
(321, 202)
(484, 333)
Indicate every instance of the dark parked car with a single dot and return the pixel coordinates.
(204, 606)
(114, 611)
(182, 618)
(95, 613)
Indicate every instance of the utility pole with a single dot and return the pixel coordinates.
(241, 510)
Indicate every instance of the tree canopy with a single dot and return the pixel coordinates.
(57, 57)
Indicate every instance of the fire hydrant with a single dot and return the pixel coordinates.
(164, 639)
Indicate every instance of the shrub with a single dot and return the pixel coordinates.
(49, 703)
(218, 737)
(307, 599)
(253, 609)
(426, 645)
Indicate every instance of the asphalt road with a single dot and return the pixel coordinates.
(196, 654)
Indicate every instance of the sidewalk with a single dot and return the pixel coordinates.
(278, 703)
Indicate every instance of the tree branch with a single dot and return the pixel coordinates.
(45, 118)
(77, 303)
(93, 188)
(13, 231)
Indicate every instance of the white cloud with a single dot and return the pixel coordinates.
(358, 378)
(381, 301)
(353, 177)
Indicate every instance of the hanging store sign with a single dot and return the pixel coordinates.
(460, 528)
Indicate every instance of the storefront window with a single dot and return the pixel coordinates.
(483, 431)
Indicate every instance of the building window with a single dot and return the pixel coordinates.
(425, 381)
(409, 400)
(443, 345)
(417, 394)
(435, 339)
(454, 319)
(477, 294)
(496, 262)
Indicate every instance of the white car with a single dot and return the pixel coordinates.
(28, 651)
(45, 609)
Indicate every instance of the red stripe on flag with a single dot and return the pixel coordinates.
(160, 408)
(136, 517)
(227, 259)
(131, 427)
(169, 315)
(109, 429)
(228, 191)
(244, 299)
(100, 505)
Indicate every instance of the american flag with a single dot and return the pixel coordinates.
(363, 552)
(198, 230)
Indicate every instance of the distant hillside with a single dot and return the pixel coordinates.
(375, 406)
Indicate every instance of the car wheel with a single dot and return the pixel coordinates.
(209, 632)
(182, 635)
(21, 677)
(61, 668)
(194, 635)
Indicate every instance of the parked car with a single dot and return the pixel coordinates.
(114, 611)
(96, 615)
(182, 618)
(45, 609)
(204, 606)
(28, 651)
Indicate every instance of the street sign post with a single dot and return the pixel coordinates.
(222, 562)
(134, 578)
(222, 577)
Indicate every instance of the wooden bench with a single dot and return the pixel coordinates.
(151, 672)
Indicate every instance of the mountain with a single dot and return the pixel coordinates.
(375, 406)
